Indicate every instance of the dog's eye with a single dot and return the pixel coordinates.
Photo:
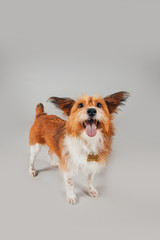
(80, 105)
(99, 105)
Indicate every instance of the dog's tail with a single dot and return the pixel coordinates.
(40, 110)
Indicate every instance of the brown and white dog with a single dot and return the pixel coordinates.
(82, 143)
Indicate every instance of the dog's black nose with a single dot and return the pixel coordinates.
(91, 112)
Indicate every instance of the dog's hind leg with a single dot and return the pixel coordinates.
(53, 159)
(34, 150)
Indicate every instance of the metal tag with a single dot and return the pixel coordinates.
(92, 157)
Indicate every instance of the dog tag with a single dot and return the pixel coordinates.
(92, 157)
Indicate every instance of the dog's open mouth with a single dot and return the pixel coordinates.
(91, 127)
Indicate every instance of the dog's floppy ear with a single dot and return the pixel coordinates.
(65, 104)
(115, 100)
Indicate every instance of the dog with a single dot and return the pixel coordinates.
(82, 143)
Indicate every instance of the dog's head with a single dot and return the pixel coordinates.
(90, 114)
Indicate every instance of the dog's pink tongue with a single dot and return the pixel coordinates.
(91, 129)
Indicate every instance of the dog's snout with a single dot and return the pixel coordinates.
(91, 112)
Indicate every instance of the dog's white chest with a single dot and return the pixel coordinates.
(79, 148)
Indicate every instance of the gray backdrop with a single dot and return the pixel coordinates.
(66, 48)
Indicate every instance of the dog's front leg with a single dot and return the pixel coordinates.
(71, 197)
(91, 190)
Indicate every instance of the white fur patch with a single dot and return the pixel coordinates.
(34, 152)
(79, 148)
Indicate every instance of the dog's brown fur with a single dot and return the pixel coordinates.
(51, 130)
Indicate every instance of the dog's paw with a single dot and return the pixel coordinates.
(55, 164)
(71, 199)
(93, 192)
(33, 173)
